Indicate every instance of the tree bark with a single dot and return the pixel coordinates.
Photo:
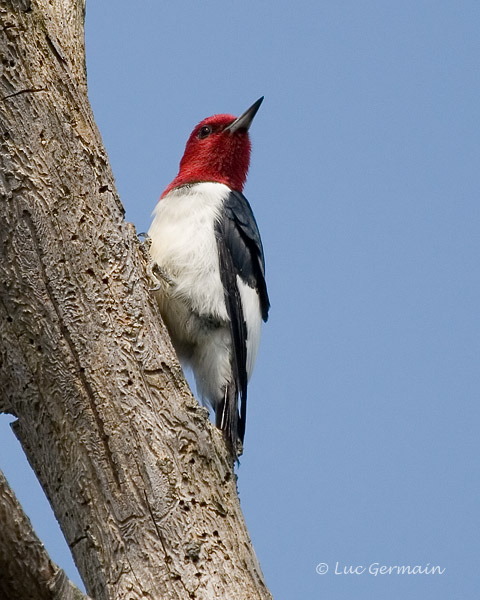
(139, 480)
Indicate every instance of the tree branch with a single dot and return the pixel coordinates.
(138, 478)
(26, 570)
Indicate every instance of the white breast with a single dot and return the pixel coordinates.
(183, 243)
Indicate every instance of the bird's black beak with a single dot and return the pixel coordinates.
(244, 121)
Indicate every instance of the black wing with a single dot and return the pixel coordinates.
(240, 253)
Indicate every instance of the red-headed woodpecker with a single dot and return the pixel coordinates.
(205, 239)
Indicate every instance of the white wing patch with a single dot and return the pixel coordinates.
(253, 318)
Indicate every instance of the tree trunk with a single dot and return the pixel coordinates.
(138, 478)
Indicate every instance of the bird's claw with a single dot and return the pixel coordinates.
(154, 271)
(147, 241)
(157, 273)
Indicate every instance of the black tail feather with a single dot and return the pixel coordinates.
(229, 421)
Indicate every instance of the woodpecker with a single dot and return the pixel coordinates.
(206, 242)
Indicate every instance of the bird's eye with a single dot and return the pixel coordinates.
(205, 131)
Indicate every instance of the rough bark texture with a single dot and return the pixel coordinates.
(139, 480)
(26, 570)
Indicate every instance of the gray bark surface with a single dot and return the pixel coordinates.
(138, 478)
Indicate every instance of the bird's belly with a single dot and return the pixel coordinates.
(202, 343)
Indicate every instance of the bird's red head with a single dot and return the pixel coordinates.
(218, 150)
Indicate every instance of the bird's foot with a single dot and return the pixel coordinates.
(147, 241)
(155, 272)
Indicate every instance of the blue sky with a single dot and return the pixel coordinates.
(362, 425)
